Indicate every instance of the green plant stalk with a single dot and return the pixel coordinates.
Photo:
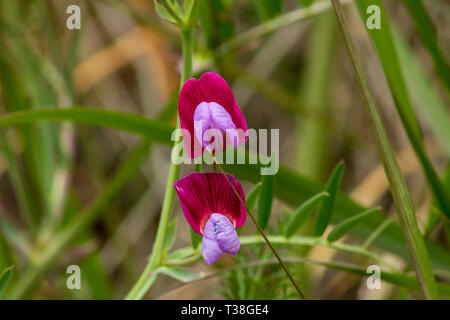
(264, 237)
(142, 285)
(275, 24)
(402, 200)
(389, 60)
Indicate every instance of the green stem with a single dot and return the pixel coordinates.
(402, 200)
(275, 24)
(156, 258)
(261, 231)
(292, 241)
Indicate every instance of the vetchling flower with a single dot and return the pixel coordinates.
(208, 103)
(213, 210)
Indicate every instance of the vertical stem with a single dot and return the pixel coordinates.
(142, 285)
(402, 200)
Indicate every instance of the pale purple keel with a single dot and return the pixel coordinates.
(211, 115)
(219, 236)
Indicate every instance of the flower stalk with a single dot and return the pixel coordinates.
(143, 284)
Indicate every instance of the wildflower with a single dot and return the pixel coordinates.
(205, 104)
(213, 210)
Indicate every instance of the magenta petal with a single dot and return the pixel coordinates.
(202, 194)
(209, 88)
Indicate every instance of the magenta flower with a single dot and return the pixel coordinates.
(213, 210)
(208, 103)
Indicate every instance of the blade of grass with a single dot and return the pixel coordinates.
(133, 123)
(427, 32)
(384, 44)
(425, 98)
(402, 200)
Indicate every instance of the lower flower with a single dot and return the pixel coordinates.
(213, 209)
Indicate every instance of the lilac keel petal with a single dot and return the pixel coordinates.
(219, 236)
(220, 118)
(210, 250)
(202, 121)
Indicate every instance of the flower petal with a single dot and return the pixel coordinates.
(209, 88)
(219, 236)
(202, 194)
(210, 250)
(221, 228)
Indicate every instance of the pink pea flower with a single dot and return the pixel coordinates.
(208, 103)
(213, 210)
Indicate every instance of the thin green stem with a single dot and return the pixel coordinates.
(293, 241)
(275, 24)
(261, 231)
(402, 200)
(156, 258)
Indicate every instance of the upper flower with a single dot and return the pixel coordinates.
(213, 210)
(208, 103)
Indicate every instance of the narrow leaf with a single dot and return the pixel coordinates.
(303, 213)
(252, 196)
(427, 32)
(180, 274)
(324, 215)
(195, 239)
(170, 235)
(345, 226)
(265, 201)
(4, 280)
(164, 13)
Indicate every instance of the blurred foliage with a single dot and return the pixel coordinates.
(74, 191)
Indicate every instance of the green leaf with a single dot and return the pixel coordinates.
(427, 32)
(180, 274)
(164, 13)
(324, 215)
(170, 235)
(425, 97)
(267, 9)
(252, 196)
(303, 213)
(4, 280)
(195, 239)
(265, 201)
(345, 226)
(176, 7)
(133, 123)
